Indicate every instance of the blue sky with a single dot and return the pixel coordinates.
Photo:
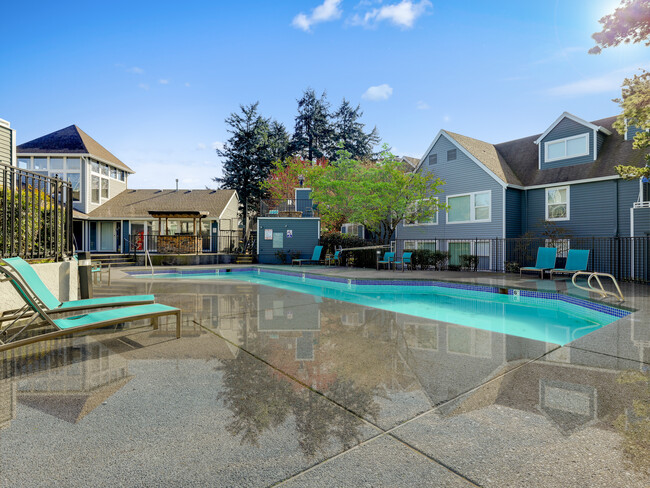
(154, 81)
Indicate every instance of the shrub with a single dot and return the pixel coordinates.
(281, 255)
(362, 258)
(425, 258)
(453, 267)
(469, 261)
(512, 267)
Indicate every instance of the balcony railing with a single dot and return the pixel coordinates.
(290, 207)
(36, 215)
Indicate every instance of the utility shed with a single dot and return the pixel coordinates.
(278, 236)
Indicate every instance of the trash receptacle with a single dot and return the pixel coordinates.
(85, 276)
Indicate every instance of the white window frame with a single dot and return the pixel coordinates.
(351, 224)
(418, 223)
(568, 203)
(565, 140)
(101, 176)
(416, 243)
(472, 208)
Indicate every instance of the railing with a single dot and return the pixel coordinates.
(641, 204)
(625, 258)
(290, 207)
(220, 242)
(36, 215)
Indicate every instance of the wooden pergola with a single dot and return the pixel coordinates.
(176, 243)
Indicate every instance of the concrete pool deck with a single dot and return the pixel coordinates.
(272, 387)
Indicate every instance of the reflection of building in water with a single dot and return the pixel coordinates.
(7, 402)
(66, 378)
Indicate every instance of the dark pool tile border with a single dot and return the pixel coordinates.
(598, 307)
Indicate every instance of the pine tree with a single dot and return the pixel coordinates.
(312, 136)
(248, 156)
(279, 141)
(349, 133)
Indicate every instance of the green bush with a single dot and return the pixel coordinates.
(361, 258)
(425, 259)
(469, 261)
(512, 267)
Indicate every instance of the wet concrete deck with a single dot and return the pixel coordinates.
(269, 386)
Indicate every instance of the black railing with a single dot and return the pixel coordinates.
(626, 258)
(224, 241)
(36, 215)
(290, 207)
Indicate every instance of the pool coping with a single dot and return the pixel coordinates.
(615, 311)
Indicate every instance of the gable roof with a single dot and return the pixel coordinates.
(516, 162)
(70, 140)
(567, 115)
(138, 203)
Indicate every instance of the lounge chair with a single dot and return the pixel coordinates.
(545, 261)
(50, 303)
(576, 260)
(9, 338)
(405, 262)
(335, 259)
(315, 258)
(389, 258)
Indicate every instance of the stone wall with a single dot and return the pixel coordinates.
(61, 278)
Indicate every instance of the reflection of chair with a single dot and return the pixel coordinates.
(576, 261)
(389, 258)
(545, 261)
(50, 303)
(405, 262)
(78, 323)
(315, 258)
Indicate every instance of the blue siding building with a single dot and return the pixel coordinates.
(565, 175)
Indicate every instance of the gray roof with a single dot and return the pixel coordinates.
(138, 203)
(70, 140)
(516, 162)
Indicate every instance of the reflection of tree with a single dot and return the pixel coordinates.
(634, 425)
(262, 400)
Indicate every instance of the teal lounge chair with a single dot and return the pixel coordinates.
(12, 335)
(576, 260)
(315, 258)
(49, 302)
(389, 258)
(405, 262)
(545, 261)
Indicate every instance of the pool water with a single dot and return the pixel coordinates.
(539, 316)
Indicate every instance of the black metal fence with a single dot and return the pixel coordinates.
(36, 215)
(626, 258)
(290, 207)
(225, 241)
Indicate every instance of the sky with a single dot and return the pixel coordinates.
(153, 82)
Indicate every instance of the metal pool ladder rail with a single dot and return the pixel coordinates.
(602, 292)
(147, 257)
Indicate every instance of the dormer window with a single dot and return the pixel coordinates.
(570, 147)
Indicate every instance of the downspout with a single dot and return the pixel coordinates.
(616, 234)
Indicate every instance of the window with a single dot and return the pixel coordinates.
(113, 173)
(451, 155)
(557, 203)
(456, 250)
(122, 175)
(56, 163)
(104, 188)
(40, 163)
(433, 159)
(94, 166)
(562, 246)
(104, 168)
(571, 147)
(473, 207)
(75, 180)
(353, 229)
(419, 245)
(73, 164)
(94, 189)
(24, 163)
(411, 217)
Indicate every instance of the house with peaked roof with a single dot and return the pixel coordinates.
(565, 175)
(107, 214)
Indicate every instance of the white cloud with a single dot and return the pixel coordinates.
(402, 14)
(135, 70)
(163, 82)
(200, 146)
(422, 105)
(144, 86)
(328, 10)
(376, 93)
(609, 82)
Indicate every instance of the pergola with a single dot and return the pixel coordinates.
(178, 214)
(181, 244)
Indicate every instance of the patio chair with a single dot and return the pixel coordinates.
(335, 259)
(315, 258)
(50, 303)
(545, 261)
(69, 325)
(405, 262)
(389, 258)
(576, 260)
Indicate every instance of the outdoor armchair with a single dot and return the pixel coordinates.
(405, 262)
(545, 261)
(576, 260)
(387, 261)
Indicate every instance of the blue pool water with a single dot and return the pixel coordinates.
(548, 317)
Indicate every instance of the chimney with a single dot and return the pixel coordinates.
(176, 184)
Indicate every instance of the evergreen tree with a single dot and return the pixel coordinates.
(248, 156)
(349, 134)
(279, 141)
(312, 136)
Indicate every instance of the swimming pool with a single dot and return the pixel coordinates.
(543, 316)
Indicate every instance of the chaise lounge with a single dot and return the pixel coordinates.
(545, 261)
(315, 258)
